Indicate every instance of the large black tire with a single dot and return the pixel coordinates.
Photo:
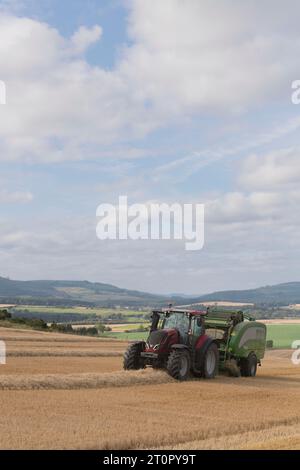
(249, 366)
(210, 364)
(132, 357)
(179, 364)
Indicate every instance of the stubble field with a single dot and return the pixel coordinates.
(65, 392)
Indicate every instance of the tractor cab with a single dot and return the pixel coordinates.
(175, 326)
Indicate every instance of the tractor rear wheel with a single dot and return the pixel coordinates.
(210, 362)
(249, 366)
(179, 364)
(132, 357)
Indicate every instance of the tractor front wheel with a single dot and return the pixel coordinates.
(249, 366)
(132, 357)
(179, 364)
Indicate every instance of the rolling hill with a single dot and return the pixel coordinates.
(73, 293)
(280, 294)
(87, 293)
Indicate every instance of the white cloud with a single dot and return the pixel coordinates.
(277, 170)
(267, 192)
(238, 207)
(192, 56)
(58, 106)
(242, 256)
(85, 37)
(185, 57)
(16, 197)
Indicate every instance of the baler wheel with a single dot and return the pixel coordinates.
(249, 366)
(211, 362)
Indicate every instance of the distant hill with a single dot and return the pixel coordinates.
(87, 293)
(73, 293)
(280, 294)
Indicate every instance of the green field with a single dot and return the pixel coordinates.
(70, 314)
(127, 336)
(283, 335)
(101, 312)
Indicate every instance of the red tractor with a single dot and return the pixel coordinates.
(177, 342)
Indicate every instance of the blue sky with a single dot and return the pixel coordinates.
(69, 15)
(166, 102)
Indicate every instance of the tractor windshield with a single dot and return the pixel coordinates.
(179, 321)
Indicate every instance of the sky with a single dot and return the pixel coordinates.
(180, 101)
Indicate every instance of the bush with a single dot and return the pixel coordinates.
(62, 328)
(36, 323)
(92, 331)
(5, 315)
(101, 327)
(21, 321)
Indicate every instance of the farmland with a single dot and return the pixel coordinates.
(283, 334)
(92, 311)
(86, 312)
(61, 391)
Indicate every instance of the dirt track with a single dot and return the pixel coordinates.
(89, 402)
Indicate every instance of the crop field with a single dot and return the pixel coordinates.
(63, 392)
(92, 311)
(283, 334)
(128, 336)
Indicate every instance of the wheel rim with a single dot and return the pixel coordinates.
(183, 366)
(210, 362)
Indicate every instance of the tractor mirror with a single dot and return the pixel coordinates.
(199, 321)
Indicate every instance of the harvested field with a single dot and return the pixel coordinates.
(283, 321)
(79, 381)
(224, 303)
(60, 365)
(61, 353)
(37, 348)
(40, 344)
(90, 403)
(13, 334)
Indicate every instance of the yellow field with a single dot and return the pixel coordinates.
(115, 328)
(281, 321)
(225, 303)
(88, 402)
(220, 303)
(293, 307)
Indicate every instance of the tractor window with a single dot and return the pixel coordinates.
(196, 329)
(178, 321)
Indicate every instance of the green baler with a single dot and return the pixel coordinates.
(241, 340)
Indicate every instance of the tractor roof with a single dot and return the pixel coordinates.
(183, 311)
